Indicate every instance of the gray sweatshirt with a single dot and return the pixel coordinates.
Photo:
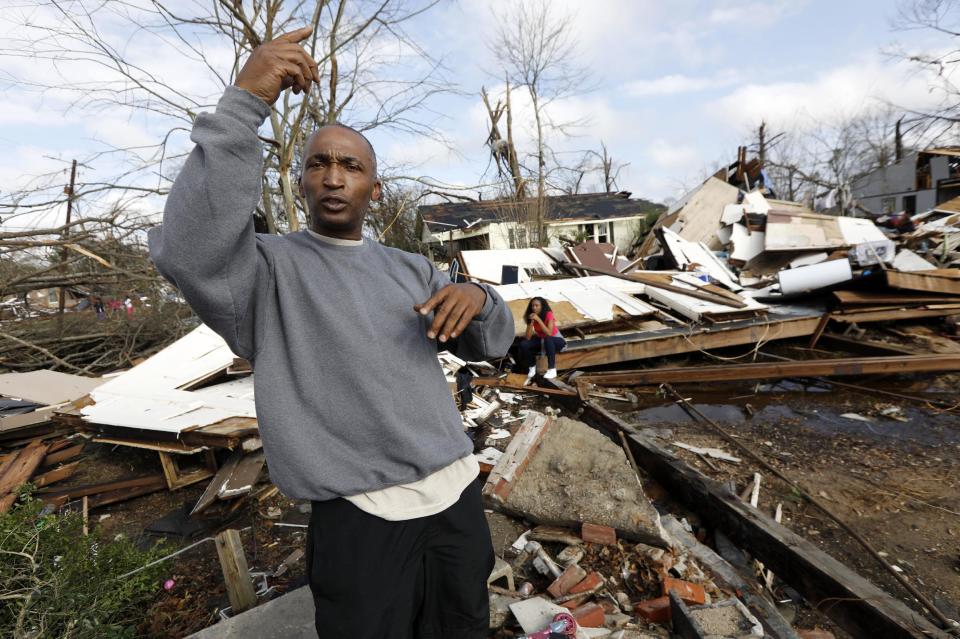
(350, 396)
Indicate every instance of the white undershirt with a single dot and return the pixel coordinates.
(428, 496)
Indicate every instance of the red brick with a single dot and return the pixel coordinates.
(815, 634)
(655, 610)
(597, 534)
(593, 580)
(590, 615)
(568, 579)
(690, 593)
(573, 604)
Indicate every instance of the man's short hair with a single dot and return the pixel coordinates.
(373, 153)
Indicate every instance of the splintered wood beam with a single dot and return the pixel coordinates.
(18, 471)
(855, 604)
(600, 351)
(780, 370)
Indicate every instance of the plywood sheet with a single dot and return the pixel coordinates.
(47, 387)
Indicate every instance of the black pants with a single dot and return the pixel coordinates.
(416, 579)
(530, 348)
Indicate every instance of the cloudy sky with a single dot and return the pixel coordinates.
(675, 87)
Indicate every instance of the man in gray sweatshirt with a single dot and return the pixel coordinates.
(354, 410)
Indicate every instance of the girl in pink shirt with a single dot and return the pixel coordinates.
(543, 335)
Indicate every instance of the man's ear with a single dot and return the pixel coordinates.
(377, 191)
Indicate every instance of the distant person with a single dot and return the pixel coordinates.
(353, 407)
(128, 304)
(543, 336)
(98, 307)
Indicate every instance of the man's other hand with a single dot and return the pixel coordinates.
(455, 306)
(277, 65)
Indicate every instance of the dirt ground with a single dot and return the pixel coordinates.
(888, 467)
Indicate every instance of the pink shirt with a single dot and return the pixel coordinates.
(540, 332)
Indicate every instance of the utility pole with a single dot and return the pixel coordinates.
(63, 254)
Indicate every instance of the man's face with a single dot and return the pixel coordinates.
(338, 181)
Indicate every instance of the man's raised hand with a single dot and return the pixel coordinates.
(277, 65)
(455, 306)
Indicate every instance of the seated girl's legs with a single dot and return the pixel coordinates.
(553, 345)
(528, 350)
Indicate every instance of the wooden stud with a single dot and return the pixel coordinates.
(236, 575)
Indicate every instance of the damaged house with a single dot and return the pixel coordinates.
(919, 182)
(606, 218)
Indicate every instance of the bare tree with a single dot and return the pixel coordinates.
(535, 47)
(940, 21)
(377, 77)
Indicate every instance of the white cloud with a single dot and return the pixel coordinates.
(673, 156)
(679, 83)
(837, 93)
(754, 14)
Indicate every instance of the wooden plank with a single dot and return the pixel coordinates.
(178, 448)
(894, 314)
(63, 455)
(515, 459)
(925, 281)
(114, 496)
(780, 370)
(865, 346)
(855, 604)
(862, 298)
(243, 478)
(604, 351)
(177, 479)
(213, 488)
(821, 326)
(665, 284)
(499, 383)
(75, 492)
(19, 471)
(55, 475)
(236, 575)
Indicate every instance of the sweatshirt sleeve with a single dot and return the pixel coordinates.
(491, 332)
(207, 246)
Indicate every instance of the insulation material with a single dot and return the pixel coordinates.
(804, 231)
(754, 202)
(732, 213)
(808, 259)
(746, 244)
(856, 230)
(577, 301)
(867, 253)
(724, 234)
(489, 264)
(697, 309)
(809, 278)
(907, 261)
(695, 253)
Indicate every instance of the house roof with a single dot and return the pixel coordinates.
(586, 206)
